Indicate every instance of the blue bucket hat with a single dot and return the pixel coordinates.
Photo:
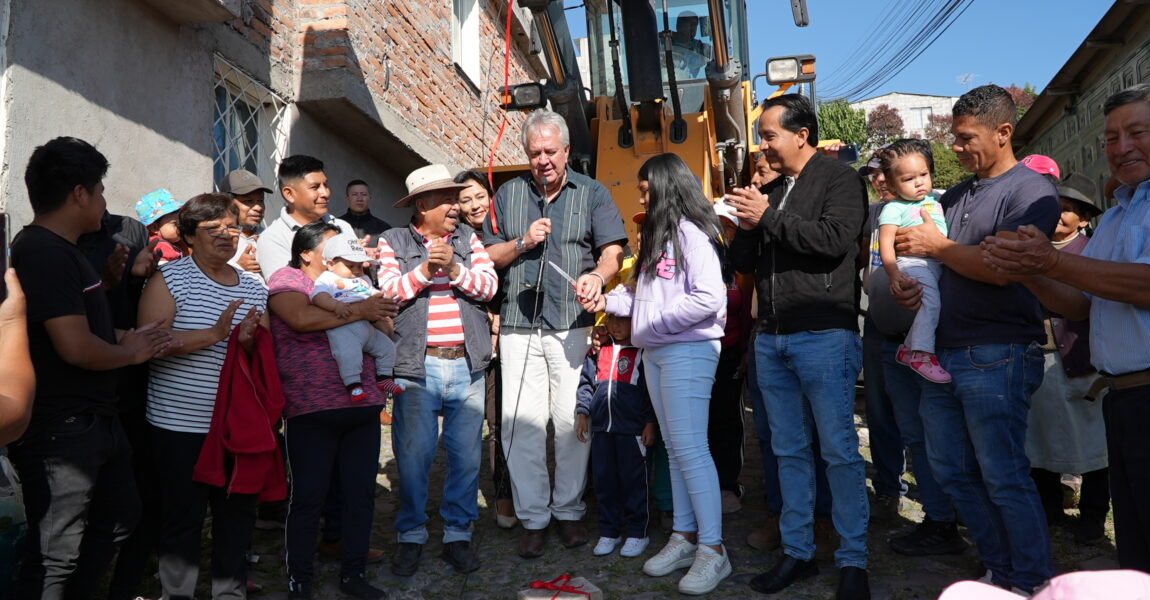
(156, 204)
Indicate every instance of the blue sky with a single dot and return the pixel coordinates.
(998, 41)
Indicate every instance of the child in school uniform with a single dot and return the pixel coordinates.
(613, 404)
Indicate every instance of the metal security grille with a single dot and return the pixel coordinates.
(249, 124)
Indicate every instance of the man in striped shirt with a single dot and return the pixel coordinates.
(443, 278)
(559, 216)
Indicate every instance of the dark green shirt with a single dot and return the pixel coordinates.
(584, 218)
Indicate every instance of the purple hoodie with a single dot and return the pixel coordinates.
(676, 305)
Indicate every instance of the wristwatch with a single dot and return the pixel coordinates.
(520, 245)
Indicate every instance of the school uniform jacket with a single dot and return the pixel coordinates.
(613, 391)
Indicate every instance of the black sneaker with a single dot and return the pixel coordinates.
(299, 591)
(406, 560)
(930, 538)
(461, 556)
(358, 587)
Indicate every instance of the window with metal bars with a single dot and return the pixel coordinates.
(248, 124)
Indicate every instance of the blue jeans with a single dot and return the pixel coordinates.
(808, 380)
(975, 437)
(904, 390)
(449, 389)
(886, 445)
(679, 379)
(771, 464)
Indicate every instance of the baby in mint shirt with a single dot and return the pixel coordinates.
(907, 165)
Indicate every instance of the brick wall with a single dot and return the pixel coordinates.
(402, 50)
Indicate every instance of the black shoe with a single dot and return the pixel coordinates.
(357, 586)
(853, 584)
(406, 560)
(930, 538)
(1089, 529)
(299, 591)
(784, 573)
(461, 556)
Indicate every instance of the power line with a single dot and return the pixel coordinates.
(868, 70)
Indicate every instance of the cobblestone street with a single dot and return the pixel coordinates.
(503, 573)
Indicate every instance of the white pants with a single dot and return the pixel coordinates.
(540, 377)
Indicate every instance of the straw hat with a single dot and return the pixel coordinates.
(428, 179)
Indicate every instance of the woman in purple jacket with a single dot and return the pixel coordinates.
(677, 306)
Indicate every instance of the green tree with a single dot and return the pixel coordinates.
(837, 120)
(1023, 97)
(947, 170)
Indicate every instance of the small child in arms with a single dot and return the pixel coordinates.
(612, 401)
(341, 285)
(907, 165)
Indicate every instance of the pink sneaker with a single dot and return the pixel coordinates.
(926, 364)
(903, 355)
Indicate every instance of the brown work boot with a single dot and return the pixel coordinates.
(826, 538)
(766, 537)
(572, 534)
(531, 544)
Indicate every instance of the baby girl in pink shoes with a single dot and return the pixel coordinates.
(908, 165)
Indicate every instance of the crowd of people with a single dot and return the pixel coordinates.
(196, 360)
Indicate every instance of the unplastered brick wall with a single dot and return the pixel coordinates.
(403, 51)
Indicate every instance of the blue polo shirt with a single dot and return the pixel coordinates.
(584, 218)
(974, 312)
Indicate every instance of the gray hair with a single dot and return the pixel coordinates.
(544, 118)
(1129, 95)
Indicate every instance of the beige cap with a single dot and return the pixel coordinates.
(240, 182)
(428, 179)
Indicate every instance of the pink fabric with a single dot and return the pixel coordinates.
(308, 371)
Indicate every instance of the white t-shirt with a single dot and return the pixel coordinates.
(348, 291)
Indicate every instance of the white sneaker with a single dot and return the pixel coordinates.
(605, 546)
(708, 570)
(677, 554)
(634, 547)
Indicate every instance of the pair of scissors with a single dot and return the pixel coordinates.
(560, 271)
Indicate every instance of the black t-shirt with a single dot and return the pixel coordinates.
(59, 281)
(973, 312)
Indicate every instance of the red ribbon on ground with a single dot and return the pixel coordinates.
(559, 584)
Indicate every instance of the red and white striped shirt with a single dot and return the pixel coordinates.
(444, 326)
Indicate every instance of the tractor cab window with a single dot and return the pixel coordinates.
(692, 44)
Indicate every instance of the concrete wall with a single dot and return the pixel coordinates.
(118, 75)
(1074, 142)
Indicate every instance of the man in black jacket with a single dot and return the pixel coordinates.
(800, 236)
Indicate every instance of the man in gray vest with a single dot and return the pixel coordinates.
(443, 278)
(545, 228)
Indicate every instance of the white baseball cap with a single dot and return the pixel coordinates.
(346, 247)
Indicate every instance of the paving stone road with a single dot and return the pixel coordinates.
(503, 573)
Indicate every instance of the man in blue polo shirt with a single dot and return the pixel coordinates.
(989, 339)
(1110, 282)
(551, 215)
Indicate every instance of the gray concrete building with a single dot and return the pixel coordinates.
(915, 109)
(176, 93)
(1066, 122)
